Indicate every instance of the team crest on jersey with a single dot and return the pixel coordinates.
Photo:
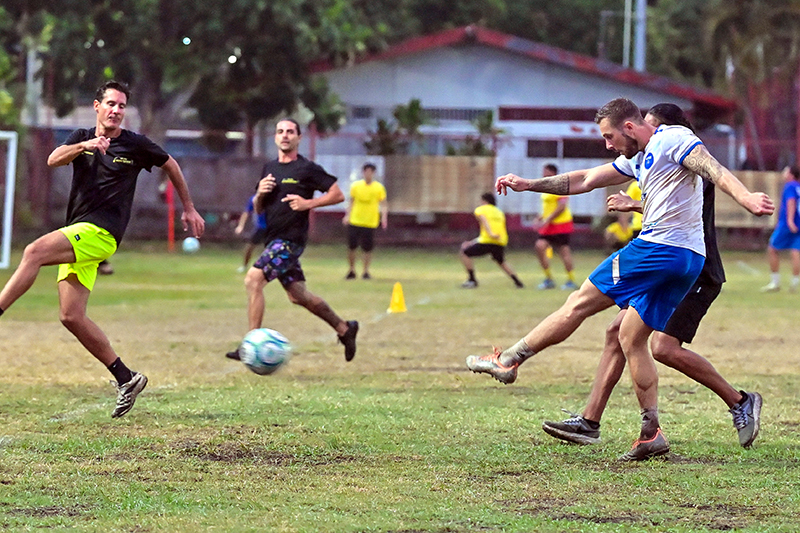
(648, 161)
(289, 180)
(123, 160)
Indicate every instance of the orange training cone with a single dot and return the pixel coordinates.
(398, 303)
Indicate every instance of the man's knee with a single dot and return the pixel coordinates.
(254, 280)
(664, 348)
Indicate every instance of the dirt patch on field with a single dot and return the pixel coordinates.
(234, 452)
(50, 510)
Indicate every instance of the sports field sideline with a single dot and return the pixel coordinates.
(403, 438)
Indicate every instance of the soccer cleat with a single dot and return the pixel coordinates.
(647, 449)
(547, 284)
(469, 284)
(574, 429)
(490, 364)
(234, 355)
(350, 275)
(771, 287)
(241, 269)
(366, 275)
(349, 340)
(747, 417)
(519, 285)
(569, 286)
(127, 393)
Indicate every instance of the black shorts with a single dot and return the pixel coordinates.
(556, 240)
(687, 316)
(478, 249)
(360, 236)
(259, 236)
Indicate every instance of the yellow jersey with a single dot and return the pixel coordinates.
(622, 235)
(365, 206)
(496, 221)
(636, 193)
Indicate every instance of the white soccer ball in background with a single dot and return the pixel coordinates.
(190, 245)
(264, 351)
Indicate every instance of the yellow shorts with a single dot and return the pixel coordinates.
(92, 245)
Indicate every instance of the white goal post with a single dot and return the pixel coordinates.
(8, 207)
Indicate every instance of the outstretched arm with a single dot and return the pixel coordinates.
(191, 218)
(574, 182)
(702, 163)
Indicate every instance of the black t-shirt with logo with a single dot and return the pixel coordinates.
(103, 185)
(301, 177)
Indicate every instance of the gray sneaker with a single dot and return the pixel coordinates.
(747, 417)
(574, 429)
(490, 364)
(127, 393)
(647, 449)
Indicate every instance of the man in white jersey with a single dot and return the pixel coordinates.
(653, 272)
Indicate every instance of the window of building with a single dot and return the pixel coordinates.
(538, 148)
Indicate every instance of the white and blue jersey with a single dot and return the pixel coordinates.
(672, 195)
(653, 272)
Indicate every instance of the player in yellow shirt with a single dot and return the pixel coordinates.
(619, 233)
(366, 210)
(492, 240)
(554, 232)
(635, 192)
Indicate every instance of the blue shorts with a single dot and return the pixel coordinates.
(651, 278)
(783, 239)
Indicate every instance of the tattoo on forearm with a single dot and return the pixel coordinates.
(558, 184)
(703, 163)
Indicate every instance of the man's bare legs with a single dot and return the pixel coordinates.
(51, 249)
(72, 300)
(298, 294)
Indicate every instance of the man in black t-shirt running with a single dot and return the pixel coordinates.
(106, 162)
(286, 194)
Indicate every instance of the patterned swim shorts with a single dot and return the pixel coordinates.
(281, 260)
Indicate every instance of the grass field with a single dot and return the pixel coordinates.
(404, 438)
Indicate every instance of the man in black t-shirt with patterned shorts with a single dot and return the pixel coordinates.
(106, 163)
(286, 193)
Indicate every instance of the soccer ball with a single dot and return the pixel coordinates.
(264, 351)
(190, 245)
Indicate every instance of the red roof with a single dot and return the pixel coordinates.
(710, 102)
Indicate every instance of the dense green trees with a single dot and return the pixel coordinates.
(240, 61)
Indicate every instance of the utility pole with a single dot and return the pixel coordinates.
(640, 48)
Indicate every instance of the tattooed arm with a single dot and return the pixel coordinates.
(706, 166)
(574, 182)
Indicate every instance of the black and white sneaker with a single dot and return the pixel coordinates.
(127, 393)
(574, 429)
(747, 417)
(349, 340)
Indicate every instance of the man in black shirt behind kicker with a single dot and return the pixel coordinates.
(106, 163)
(286, 193)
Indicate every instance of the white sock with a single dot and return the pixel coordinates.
(517, 354)
(776, 278)
(795, 281)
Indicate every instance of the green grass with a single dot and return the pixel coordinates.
(403, 439)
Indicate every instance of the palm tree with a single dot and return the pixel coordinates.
(757, 42)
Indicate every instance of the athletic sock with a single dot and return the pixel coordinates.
(571, 275)
(649, 424)
(547, 273)
(776, 278)
(592, 424)
(121, 372)
(517, 282)
(517, 354)
(1, 311)
(795, 281)
(471, 275)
